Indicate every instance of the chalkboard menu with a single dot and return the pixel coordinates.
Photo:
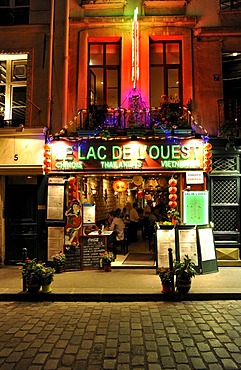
(72, 254)
(92, 247)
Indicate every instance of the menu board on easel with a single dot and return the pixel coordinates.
(73, 257)
(92, 247)
(187, 243)
(207, 249)
(165, 239)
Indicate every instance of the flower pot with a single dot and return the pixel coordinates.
(183, 286)
(47, 288)
(33, 288)
(107, 268)
(59, 269)
(166, 288)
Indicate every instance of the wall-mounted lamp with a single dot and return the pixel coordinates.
(93, 191)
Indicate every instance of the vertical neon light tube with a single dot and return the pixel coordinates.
(135, 49)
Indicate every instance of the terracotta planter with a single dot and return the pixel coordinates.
(166, 288)
(107, 268)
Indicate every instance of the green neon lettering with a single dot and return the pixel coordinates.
(167, 154)
(175, 152)
(69, 153)
(80, 156)
(154, 152)
(116, 152)
(101, 157)
(91, 153)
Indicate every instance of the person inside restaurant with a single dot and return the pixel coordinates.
(134, 223)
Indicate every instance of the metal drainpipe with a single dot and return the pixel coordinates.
(51, 41)
(66, 65)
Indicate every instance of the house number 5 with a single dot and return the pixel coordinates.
(15, 157)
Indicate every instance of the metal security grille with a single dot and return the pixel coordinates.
(225, 199)
(225, 164)
(225, 219)
(225, 191)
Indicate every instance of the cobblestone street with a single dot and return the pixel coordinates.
(123, 336)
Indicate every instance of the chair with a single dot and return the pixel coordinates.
(122, 244)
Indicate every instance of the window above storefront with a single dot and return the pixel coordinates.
(13, 12)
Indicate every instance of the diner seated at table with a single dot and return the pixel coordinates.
(88, 229)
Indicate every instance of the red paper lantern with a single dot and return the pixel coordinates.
(120, 186)
(173, 196)
(172, 182)
(207, 162)
(172, 204)
(208, 146)
(172, 189)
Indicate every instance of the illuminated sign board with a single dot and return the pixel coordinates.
(107, 156)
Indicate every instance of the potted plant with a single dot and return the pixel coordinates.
(59, 262)
(32, 273)
(174, 216)
(184, 271)
(46, 279)
(166, 275)
(105, 260)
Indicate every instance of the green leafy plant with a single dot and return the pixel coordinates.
(184, 270)
(173, 214)
(32, 272)
(47, 276)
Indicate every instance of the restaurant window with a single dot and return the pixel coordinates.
(13, 86)
(104, 74)
(13, 12)
(165, 71)
(230, 5)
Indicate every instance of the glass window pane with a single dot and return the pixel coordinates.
(19, 70)
(157, 85)
(112, 98)
(19, 103)
(2, 101)
(98, 72)
(112, 78)
(156, 53)
(21, 2)
(3, 71)
(112, 54)
(173, 84)
(172, 53)
(96, 55)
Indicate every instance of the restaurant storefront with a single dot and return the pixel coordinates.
(89, 177)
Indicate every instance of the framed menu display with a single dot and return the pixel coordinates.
(165, 239)
(207, 249)
(55, 202)
(195, 207)
(187, 243)
(88, 214)
(55, 241)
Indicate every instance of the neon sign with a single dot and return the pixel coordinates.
(130, 155)
(135, 49)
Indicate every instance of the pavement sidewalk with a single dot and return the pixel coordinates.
(121, 284)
